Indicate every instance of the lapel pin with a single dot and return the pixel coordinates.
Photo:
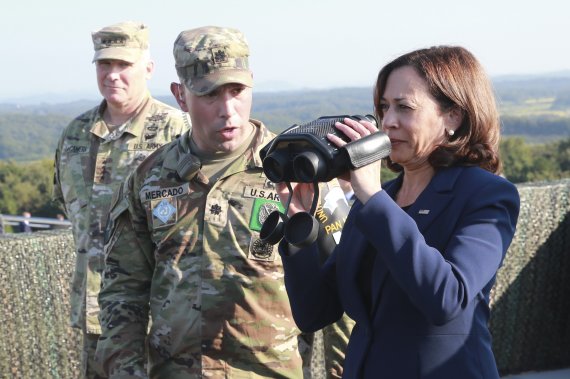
(423, 211)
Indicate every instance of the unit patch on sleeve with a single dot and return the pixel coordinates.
(261, 251)
(164, 212)
(260, 210)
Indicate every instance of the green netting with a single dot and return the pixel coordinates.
(35, 272)
(530, 301)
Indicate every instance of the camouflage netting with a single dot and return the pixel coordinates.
(35, 272)
(530, 301)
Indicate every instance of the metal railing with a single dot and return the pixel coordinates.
(41, 223)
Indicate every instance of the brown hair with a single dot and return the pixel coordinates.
(455, 79)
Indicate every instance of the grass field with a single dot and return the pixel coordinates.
(539, 107)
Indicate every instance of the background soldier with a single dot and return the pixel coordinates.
(24, 225)
(98, 150)
(185, 240)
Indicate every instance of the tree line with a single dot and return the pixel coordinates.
(30, 132)
(28, 186)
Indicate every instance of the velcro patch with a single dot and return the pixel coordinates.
(164, 212)
(163, 193)
(262, 193)
(216, 212)
(260, 210)
(261, 251)
(143, 146)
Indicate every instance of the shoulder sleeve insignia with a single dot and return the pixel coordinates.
(261, 251)
(164, 212)
(260, 210)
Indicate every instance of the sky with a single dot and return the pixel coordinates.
(294, 44)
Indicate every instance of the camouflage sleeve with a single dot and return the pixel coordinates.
(124, 295)
(178, 123)
(57, 194)
(335, 341)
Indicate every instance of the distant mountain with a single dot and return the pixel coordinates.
(521, 88)
(71, 109)
(529, 77)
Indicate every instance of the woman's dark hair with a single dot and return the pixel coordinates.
(455, 79)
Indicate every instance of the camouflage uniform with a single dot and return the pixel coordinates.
(189, 251)
(90, 163)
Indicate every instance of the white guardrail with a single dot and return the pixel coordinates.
(38, 223)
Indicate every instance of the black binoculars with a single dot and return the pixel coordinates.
(303, 154)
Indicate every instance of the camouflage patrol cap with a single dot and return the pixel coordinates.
(211, 56)
(124, 41)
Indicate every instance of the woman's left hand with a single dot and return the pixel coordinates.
(365, 180)
(302, 196)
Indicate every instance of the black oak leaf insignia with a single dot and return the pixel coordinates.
(215, 209)
(220, 56)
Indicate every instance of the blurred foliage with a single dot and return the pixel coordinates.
(523, 162)
(535, 116)
(28, 137)
(28, 186)
(536, 109)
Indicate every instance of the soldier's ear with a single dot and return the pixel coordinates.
(149, 69)
(178, 93)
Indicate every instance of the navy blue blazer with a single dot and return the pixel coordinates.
(430, 276)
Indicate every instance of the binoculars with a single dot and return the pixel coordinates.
(303, 154)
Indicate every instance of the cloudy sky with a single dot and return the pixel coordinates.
(47, 48)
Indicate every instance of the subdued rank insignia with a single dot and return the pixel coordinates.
(216, 212)
(164, 212)
(215, 209)
(261, 251)
(112, 42)
(260, 210)
(219, 55)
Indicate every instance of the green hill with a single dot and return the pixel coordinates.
(536, 108)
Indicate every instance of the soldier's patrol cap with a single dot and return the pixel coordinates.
(125, 41)
(211, 56)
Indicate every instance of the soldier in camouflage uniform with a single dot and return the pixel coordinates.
(183, 241)
(98, 150)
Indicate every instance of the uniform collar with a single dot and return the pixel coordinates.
(135, 126)
(179, 156)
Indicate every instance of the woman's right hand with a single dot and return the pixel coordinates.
(365, 181)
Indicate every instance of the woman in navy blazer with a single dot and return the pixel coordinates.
(418, 258)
